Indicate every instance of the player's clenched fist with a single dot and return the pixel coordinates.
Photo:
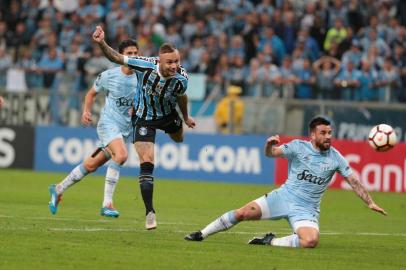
(98, 35)
(273, 140)
(86, 118)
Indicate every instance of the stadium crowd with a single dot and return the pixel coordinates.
(340, 49)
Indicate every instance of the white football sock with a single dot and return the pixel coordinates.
(112, 176)
(287, 241)
(225, 222)
(72, 178)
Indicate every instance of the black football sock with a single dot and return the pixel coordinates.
(147, 185)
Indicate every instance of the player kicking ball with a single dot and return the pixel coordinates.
(312, 164)
(163, 87)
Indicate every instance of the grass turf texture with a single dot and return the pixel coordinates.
(352, 236)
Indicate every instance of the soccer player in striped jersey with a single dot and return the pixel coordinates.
(114, 130)
(312, 164)
(163, 86)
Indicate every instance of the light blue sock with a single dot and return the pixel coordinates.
(112, 176)
(224, 222)
(72, 178)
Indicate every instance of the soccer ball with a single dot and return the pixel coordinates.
(382, 138)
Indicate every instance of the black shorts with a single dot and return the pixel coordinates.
(145, 131)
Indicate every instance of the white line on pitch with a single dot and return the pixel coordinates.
(87, 229)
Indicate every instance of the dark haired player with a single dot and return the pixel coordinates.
(312, 164)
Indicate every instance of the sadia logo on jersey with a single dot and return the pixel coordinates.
(122, 101)
(305, 175)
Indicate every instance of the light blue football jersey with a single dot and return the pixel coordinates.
(158, 94)
(310, 171)
(121, 91)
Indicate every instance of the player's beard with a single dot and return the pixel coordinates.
(323, 145)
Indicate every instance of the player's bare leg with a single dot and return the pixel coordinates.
(118, 152)
(308, 237)
(90, 164)
(145, 152)
(177, 136)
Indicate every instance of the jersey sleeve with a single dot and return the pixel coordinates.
(184, 80)
(290, 149)
(139, 62)
(343, 167)
(100, 84)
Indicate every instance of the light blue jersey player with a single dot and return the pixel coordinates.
(120, 85)
(115, 117)
(312, 164)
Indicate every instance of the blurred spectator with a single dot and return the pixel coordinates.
(348, 83)
(305, 81)
(96, 64)
(195, 52)
(66, 36)
(49, 65)
(368, 82)
(335, 34)
(268, 37)
(310, 47)
(1, 101)
(4, 35)
(288, 78)
(399, 59)
(172, 36)
(355, 19)
(237, 47)
(238, 72)
(13, 15)
(389, 82)
(308, 18)
(27, 63)
(5, 64)
(19, 40)
(373, 40)
(372, 56)
(337, 11)
(229, 112)
(354, 55)
(326, 69)
(289, 31)
(255, 79)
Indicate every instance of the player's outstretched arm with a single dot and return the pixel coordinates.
(112, 55)
(1, 101)
(363, 194)
(182, 102)
(87, 105)
(271, 148)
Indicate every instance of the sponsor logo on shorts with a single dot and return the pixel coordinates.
(143, 131)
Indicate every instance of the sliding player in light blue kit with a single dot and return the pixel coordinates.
(114, 129)
(312, 164)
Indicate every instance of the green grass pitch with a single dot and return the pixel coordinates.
(352, 236)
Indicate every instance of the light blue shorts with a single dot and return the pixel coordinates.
(109, 131)
(276, 205)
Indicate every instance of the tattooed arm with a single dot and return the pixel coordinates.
(363, 193)
(112, 55)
